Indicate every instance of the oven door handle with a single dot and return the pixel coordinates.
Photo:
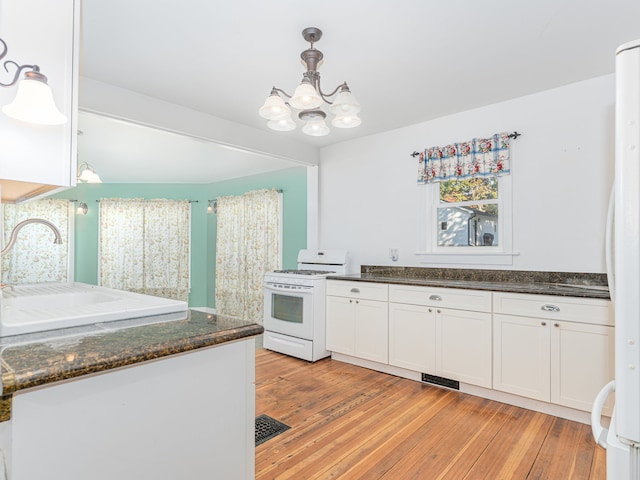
(274, 288)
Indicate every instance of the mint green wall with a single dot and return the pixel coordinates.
(203, 226)
(293, 183)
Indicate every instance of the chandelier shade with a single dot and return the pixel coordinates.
(282, 125)
(308, 98)
(274, 108)
(345, 103)
(305, 97)
(315, 126)
(346, 121)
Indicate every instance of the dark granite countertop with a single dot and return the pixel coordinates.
(540, 283)
(37, 359)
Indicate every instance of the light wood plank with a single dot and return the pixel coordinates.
(349, 422)
(567, 452)
(512, 452)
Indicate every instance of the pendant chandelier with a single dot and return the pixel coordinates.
(309, 97)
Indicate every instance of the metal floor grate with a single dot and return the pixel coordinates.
(267, 427)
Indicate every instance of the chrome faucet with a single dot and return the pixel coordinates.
(16, 229)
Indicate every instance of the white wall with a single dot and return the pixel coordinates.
(562, 169)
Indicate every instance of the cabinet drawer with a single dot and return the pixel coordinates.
(441, 297)
(364, 290)
(574, 309)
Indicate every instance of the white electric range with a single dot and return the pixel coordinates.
(294, 304)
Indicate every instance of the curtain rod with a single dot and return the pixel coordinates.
(513, 135)
(279, 190)
(190, 201)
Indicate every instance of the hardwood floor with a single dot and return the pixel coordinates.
(349, 422)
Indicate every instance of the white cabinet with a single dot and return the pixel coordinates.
(35, 158)
(188, 416)
(582, 363)
(554, 349)
(357, 319)
(463, 346)
(522, 356)
(428, 336)
(412, 337)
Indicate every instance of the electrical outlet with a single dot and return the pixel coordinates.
(393, 254)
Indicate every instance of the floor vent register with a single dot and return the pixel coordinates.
(267, 427)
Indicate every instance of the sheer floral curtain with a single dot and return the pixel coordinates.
(145, 246)
(247, 246)
(34, 257)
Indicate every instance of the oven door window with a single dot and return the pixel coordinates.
(287, 308)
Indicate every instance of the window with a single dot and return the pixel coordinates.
(468, 204)
(467, 218)
(468, 212)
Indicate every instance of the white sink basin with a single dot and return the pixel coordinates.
(50, 306)
(54, 301)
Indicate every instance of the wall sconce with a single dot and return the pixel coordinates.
(34, 100)
(82, 209)
(211, 206)
(86, 174)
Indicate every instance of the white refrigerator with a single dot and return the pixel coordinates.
(622, 438)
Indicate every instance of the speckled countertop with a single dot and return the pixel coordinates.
(37, 359)
(587, 285)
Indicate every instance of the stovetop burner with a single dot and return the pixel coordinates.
(305, 272)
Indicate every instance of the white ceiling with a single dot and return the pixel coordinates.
(125, 152)
(406, 61)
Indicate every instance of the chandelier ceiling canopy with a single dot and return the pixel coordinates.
(308, 97)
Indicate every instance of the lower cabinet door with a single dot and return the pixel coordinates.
(581, 363)
(372, 330)
(521, 356)
(341, 325)
(464, 346)
(412, 337)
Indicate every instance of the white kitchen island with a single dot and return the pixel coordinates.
(162, 401)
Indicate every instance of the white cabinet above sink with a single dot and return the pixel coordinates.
(37, 158)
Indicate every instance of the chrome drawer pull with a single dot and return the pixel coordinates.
(355, 290)
(435, 297)
(550, 308)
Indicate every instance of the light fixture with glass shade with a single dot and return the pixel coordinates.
(82, 209)
(86, 174)
(33, 102)
(308, 97)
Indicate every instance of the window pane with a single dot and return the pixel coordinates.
(475, 225)
(474, 189)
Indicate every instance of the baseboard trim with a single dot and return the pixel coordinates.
(495, 395)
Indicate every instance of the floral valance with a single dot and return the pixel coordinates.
(480, 157)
